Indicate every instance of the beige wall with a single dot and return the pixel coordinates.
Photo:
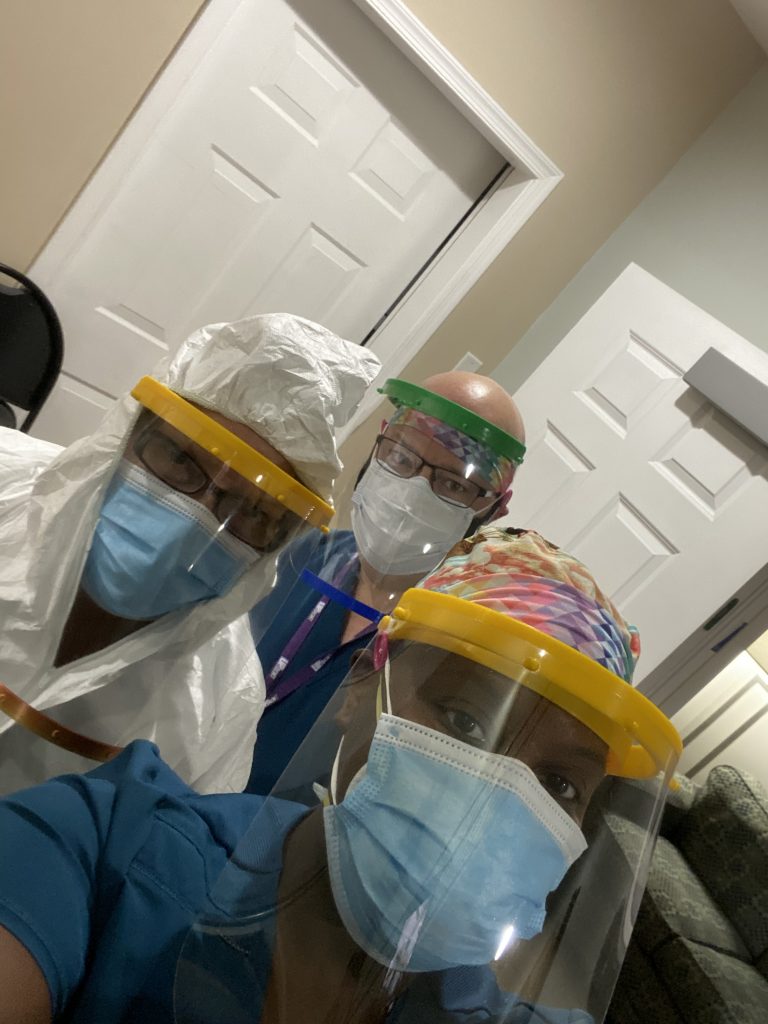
(703, 231)
(759, 651)
(71, 72)
(614, 91)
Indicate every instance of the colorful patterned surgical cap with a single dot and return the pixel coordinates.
(521, 574)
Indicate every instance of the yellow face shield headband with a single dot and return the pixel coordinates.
(245, 460)
(640, 738)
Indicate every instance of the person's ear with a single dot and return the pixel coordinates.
(484, 518)
(363, 468)
(501, 506)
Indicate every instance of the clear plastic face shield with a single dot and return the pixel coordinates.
(479, 841)
(436, 470)
(192, 509)
(428, 481)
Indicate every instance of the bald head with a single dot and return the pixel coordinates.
(482, 396)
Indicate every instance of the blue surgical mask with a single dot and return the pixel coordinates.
(442, 853)
(155, 550)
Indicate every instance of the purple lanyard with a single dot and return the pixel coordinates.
(279, 688)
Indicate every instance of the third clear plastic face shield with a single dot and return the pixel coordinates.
(191, 510)
(406, 514)
(434, 472)
(479, 836)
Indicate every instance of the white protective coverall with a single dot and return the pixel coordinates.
(190, 680)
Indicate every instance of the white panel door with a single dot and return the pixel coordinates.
(664, 497)
(306, 166)
(727, 722)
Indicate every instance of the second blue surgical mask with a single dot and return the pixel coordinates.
(442, 853)
(155, 550)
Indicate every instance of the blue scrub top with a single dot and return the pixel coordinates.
(102, 876)
(283, 726)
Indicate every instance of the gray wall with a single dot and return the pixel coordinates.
(703, 231)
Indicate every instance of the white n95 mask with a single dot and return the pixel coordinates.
(401, 527)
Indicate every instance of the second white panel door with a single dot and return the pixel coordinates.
(631, 469)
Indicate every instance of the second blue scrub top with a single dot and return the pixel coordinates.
(283, 726)
(102, 876)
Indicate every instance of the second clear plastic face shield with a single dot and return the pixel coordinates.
(192, 507)
(437, 469)
(481, 831)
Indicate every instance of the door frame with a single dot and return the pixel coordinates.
(493, 223)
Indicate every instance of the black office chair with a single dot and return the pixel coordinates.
(31, 348)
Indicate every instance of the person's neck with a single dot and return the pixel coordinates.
(383, 591)
(377, 591)
(319, 974)
(89, 629)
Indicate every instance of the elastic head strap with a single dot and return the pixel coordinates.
(54, 732)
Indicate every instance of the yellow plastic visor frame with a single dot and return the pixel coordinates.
(641, 740)
(232, 450)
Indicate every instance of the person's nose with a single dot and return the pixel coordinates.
(426, 471)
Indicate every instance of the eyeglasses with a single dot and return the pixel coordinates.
(400, 460)
(261, 523)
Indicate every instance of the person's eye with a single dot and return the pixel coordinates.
(258, 519)
(179, 457)
(399, 458)
(456, 489)
(464, 726)
(163, 454)
(558, 786)
(252, 513)
(454, 486)
(165, 448)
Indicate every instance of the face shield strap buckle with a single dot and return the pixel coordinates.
(380, 651)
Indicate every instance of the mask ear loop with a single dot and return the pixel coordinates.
(329, 796)
(381, 661)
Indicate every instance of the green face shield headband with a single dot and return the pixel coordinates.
(411, 396)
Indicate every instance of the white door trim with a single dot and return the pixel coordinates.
(442, 69)
(492, 225)
(482, 237)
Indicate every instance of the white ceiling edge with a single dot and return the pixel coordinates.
(754, 14)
